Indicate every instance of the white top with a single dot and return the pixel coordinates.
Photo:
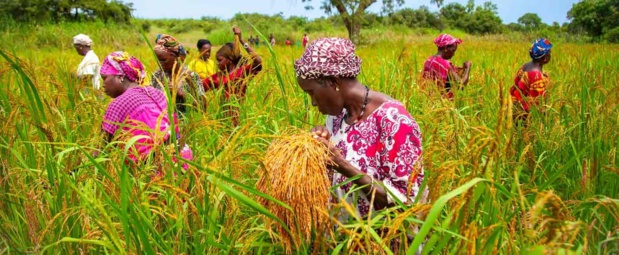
(90, 66)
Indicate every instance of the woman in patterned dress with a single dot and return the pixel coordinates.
(174, 73)
(439, 69)
(531, 82)
(135, 110)
(369, 133)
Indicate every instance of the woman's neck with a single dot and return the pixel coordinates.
(131, 85)
(355, 101)
(534, 66)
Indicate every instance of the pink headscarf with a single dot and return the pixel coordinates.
(446, 40)
(334, 57)
(121, 63)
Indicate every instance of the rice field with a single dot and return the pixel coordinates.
(494, 189)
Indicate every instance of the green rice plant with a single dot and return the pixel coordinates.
(494, 189)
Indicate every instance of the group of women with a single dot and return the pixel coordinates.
(369, 134)
(139, 109)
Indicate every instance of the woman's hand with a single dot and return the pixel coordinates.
(467, 64)
(237, 31)
(336, 159)
(321, 131)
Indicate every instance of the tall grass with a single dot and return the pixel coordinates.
(494, 188)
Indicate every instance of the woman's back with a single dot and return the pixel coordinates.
(140, 111)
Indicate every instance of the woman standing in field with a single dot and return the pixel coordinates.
(305, 40)
(234, 73)
(135, 110)
(88, 69)
(438, 68)
(368, 133)
(272, 40)
(173, 73)
(204, 66)
(531, 82)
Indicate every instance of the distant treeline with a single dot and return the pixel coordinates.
(56, 11)
(591, 20)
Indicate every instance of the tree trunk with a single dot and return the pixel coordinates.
(354, 29)
(352, 20)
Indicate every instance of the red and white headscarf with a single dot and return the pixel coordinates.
(332, 57)
(444, 40)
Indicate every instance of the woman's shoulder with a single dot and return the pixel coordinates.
(391, 109)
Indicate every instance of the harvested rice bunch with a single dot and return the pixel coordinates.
(295, 173)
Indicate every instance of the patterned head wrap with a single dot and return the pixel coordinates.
(445, 40)
(540, 48)
(170, 44)
(121, 63)
(82, 39)
(334, 57)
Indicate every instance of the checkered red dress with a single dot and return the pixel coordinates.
(140, 111)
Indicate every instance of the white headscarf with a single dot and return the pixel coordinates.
(82, 39)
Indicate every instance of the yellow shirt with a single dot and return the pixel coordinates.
(203, 68)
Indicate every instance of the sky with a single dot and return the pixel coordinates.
(509, 10)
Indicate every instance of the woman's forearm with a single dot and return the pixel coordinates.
(465, 78)
(370, 186)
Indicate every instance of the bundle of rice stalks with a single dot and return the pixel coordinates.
(295, 173)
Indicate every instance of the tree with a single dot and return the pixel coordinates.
(352, 12)
(482, 19)
(530, 21)
(485, 20)
(595, 17)
(66, 10)
(415, 18)
(455, 15)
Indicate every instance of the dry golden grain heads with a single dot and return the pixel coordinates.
(295, 173)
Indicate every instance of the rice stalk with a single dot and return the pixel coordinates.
(295, 173)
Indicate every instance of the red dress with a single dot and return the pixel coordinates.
(235, 83)
(528, 88)
(437, 69)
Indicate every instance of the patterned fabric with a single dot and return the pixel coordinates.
(333, 57)
(540, 48)
(82, 39)
(234, 83)
(187, 80)
(386, 146)
(528, 87)
(140, 111)
(121, 63)
(437, 69)
(445, 40)
(170, 44)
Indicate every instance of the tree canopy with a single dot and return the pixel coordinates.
(66, 10)
(352, 11)
(597, 18)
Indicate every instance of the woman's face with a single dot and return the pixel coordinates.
(112, 86)
(79, 49)
(205, 51)
(450, 51)
(547, 57)
(166, 59)
(223, 63)
(324, 96)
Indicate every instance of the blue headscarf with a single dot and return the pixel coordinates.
(540, 48)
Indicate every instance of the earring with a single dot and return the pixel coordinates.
(122, 78)
(337, 89)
